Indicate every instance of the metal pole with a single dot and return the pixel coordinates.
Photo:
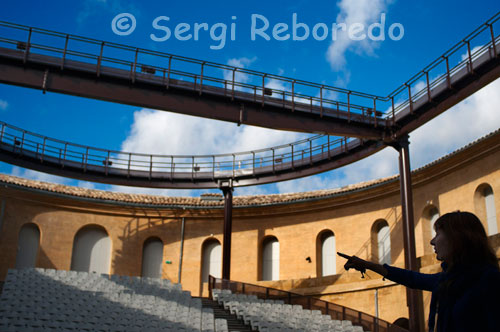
(182, 251)
(408, 227)
(228, 216)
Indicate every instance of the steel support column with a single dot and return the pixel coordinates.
(412, 295)
(228, 220)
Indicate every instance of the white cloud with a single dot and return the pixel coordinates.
(3, 105)
(238, 75)
(155, 191)
(360, 11)
(165, 133)
(473, 118)
(39, 176)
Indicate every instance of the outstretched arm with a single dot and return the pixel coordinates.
(361, 265)
(404, 277)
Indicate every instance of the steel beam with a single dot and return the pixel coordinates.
(408, 229)
(228, 224)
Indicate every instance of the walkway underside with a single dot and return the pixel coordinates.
(115, 85)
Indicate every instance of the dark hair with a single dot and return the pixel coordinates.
(468, 239)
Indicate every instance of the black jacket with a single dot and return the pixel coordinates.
(470, 303)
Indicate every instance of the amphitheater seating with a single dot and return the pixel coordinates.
(276, 316)
(50, 300)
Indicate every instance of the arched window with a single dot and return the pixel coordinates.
(91, 250)
(485, 207)
(491, 212)
(381, 242)
(27, 246)
(433, 215)
(270, 259)
(152, 257)
(211, 259)
(326, 251)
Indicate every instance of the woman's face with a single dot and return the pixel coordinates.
(441, 245)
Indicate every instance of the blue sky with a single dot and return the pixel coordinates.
(376, 67)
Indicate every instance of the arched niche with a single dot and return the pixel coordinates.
(91, 250)
(152, 257)
(28, 242)
(211, 259)
(326, 253)
(270, 258)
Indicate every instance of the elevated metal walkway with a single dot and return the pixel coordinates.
(63, 63)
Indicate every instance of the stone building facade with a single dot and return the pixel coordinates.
(280, 237)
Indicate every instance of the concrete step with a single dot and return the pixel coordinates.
(233, 323)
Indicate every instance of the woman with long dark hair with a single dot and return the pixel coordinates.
(466, 294)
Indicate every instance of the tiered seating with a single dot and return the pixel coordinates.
(276, 316)
(50, 300)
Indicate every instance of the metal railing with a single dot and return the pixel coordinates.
(294, 94)
(198, 75)
(337, 312)
(278, 158)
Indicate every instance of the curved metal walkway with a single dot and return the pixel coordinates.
(301, 158)
(63, 63)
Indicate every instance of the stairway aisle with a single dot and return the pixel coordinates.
(233, 323)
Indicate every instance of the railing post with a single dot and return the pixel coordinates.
(321, 101)
(393, 111)
(65, 151)
(232, 88)
(43, 147)
(28, 44)
(273, 158)
(86, 160)
(293, 96)
(471, 67)
(253, 162)
(64, 52)
(329, 152)
(201, 76)
(263, 88)
(409, 98)
(493, 41)
(150, 166)
(349, 106)
(213, 167)
(429, 97)
(134, 65)
(99, 60)
(310, 152)
(234, 164)
(129, 161)
(169, 68)
(1, 134)
(107, 164)
(448, 78)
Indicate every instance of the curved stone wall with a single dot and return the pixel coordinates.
(365, 220)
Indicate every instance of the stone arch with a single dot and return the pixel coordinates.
(91, 250)
(326, 261)
(152, 257)
(28, 242)
(211, 256)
